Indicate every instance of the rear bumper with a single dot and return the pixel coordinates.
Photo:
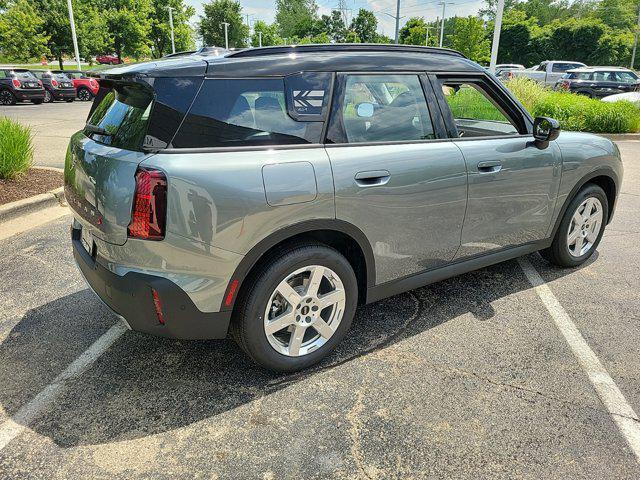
(130, 297)
(66, 94)
(36, 94)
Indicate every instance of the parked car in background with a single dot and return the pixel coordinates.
(57, 86)
(598, 82)
(86, 87)
(108, 59)
(273, 190)
(548, 72)
(503, 68)
(633, 97)
(19, 85)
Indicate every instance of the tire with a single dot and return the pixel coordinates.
(85, 95)
(566, 252)
(48, 97)
(7, 97)
(274, 348)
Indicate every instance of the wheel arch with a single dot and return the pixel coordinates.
(605, 178)
(348, 239)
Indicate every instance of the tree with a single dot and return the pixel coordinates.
(211, 29)
(469, 38)
(21, 31)
(365, 25)
(491, 6)
(411, 23)
(296, 18)
(128, 25)
(161, 29)
(333, 25)
(269, 34)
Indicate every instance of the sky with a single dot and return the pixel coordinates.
(265, 9)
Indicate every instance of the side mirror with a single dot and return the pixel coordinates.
(545, 130)
(365, 110)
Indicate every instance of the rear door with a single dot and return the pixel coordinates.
(396, 178)
(513, 185)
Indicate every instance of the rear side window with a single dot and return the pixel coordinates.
(563, 67)
(261, 111)
(124, 113)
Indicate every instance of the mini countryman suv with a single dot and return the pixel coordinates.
(266, 193)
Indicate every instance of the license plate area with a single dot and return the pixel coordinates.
(86, 239)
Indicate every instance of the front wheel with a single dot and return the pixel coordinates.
(48, 98)
(581, 228)
(297, 308)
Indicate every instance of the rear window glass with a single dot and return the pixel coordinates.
(24, 75)
(563, 67)
(246, 112)
(124, 113)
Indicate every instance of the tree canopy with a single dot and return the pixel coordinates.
(211, 26)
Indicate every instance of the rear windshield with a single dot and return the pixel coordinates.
(24, 75)
(61, 77)
(124, 113)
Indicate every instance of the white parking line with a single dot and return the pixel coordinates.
(622, 413)
(13, 427)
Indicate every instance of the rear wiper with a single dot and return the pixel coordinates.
(97, 130)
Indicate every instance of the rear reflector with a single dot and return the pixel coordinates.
(232, 291)
(149, 215)
(158, 306)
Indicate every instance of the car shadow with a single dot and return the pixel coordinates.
(144, 385)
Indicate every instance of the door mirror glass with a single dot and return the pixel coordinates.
(365, 110)
(546, 129)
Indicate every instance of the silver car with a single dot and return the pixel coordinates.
(269, 192)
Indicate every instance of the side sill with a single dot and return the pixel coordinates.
(405, 284)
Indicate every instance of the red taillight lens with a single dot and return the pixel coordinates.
(149, 205)
(16, 83)
(54, 83)
(40, 82)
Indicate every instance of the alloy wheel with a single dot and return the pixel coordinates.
(84, 95)
(6, 98)
(585, 227)
(304, 311)
(47, 96)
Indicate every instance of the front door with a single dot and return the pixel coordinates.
(513, 185)
(394, 180)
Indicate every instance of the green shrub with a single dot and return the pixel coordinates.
(576, 112)
(16, 148)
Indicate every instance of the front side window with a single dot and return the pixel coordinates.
(475, 113)
(248, 112)
(381, 108)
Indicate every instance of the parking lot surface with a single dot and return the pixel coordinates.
(466, 378)
(52, 124)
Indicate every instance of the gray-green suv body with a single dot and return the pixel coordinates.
(270, 191)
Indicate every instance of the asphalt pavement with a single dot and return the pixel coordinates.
(466, 378)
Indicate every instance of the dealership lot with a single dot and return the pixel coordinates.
(467, 378)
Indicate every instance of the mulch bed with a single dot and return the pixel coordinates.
(34, 182)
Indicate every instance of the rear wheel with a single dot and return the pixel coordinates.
(297, 308)
(581, 228)
(7, 98)
(85, 95)
(48, 98)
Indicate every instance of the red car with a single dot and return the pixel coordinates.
(86, 87)
(110, 59)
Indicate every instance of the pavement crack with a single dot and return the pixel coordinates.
(353, 417)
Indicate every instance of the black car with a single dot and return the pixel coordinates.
(598, 82)
(18, 85)
(57, 86)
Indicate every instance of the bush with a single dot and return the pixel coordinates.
(576, 112)
(16, 148)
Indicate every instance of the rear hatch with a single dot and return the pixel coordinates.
(102, 159)
(27, 79)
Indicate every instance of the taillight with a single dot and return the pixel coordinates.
(54, 83)
(16, 83)
(149, 216)
(40, 82)
(93, 83)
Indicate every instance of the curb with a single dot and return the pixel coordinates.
(621, 137)
(27, 205)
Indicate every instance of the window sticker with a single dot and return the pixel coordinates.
(308, 102)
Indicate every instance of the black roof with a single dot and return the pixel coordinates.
(279, 61)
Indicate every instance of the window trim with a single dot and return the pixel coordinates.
(335, 119)
(498, 93)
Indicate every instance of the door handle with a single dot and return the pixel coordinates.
(373, 178)
(492, 166)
